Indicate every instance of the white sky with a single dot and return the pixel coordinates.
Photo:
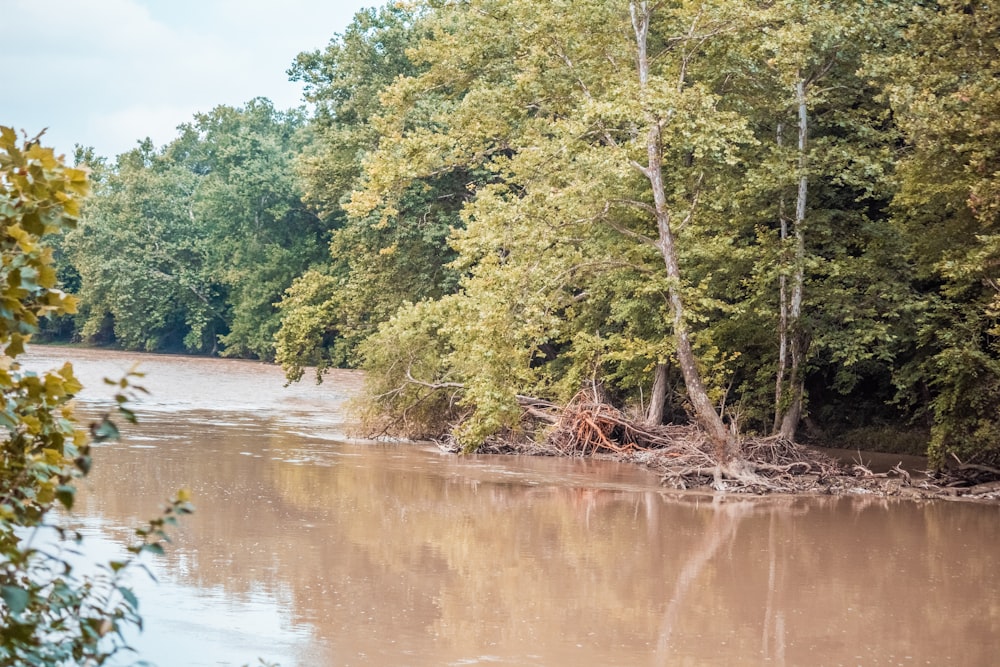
(107, 73)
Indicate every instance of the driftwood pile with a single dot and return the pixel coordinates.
(682, 454)
(685, 458)
(969, 480)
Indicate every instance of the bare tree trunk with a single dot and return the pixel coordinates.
(779, 385)
(799, 344)
(727, 448)
(658, 398)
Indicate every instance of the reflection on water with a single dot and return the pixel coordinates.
(192, 625)
(310, 550)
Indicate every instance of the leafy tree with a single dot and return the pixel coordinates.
(630, 231)
(813, 259)
(387, 254)
(564, 123)
(49, 613)
(941, 83)
(740, 213)
(190, 247)
(140, 253)
(248, 198)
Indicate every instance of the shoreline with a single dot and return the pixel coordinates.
(835, 477)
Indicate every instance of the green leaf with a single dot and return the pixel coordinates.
(66, 494)
(154, 548)
(129, 597)
(84, 463)
(104, 431)
(16, 598)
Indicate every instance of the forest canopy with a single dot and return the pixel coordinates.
(764, 217)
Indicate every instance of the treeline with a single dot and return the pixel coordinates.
(766, 216)
(187, 247)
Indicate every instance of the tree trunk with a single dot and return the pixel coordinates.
(779, 385)
(726, 447)
(799, 343)
(658, 398)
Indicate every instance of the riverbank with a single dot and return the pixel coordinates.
(841, 478)
(685, 459)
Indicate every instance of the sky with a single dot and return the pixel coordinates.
(108, 73)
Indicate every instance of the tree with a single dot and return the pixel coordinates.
(140, 253)
(816, 188)
(189, 247)
(941, 84)
(629, 232)
(567, 139)
(49, 614)
(260, 236)
(392, 252)
(659, 113)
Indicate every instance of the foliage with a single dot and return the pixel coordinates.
(139, 255)
(942, 84)
(413, 351)
(50, 614)
(383, 256)
(559, 251)
(189, 247)
(775, 211)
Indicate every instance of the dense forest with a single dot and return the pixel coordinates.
(766, 217)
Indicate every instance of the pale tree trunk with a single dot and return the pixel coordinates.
(658, 398)
(779, 385)
(727, 449)
(791, 412)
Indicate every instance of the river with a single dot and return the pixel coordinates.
(311, 549)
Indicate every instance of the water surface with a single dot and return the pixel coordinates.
(309, 548)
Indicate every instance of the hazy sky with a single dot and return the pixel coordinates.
(107, 73)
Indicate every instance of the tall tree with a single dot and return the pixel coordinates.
(941, 82)
(190, 246)
(585, 127)
(828, 151)
(139, 251)
(657, 116)
(391, 253)
(249, 199)
(596, 254)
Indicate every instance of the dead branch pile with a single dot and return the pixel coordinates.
(976, 480)
(682, 454)
(686, 459)
(587, 427)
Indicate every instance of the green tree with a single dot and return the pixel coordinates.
(260, 234)
(140, 253)
(816, 262)
(572, 131)
(942, 86)
(629, 235)
(190, 247)
(49, 613)
(393, 252)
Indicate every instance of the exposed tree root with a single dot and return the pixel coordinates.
(683, 455)
(686, 459)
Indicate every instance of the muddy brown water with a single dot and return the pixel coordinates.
(308, 548)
